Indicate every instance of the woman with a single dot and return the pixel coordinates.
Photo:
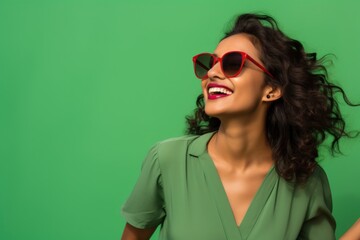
(248, 168)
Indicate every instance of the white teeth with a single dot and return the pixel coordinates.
(219, 90)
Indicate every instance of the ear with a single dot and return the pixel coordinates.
(271, 93)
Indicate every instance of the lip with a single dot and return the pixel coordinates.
(210, 85)
(217, 96)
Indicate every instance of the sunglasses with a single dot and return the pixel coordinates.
(231, 64)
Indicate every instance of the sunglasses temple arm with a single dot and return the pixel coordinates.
(260, 66)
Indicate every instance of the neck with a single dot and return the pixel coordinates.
(241, 144)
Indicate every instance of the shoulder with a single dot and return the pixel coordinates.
(319, 188)
(173, 147)
(177, 140)
(316, 181)
(173, 152)
(170, 145)
(175, 143)
(165, 154)
(316, 186)
(318, 178)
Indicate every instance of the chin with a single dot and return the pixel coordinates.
(214, 112)
(223, 114)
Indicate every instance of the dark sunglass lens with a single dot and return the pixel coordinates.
(232, 63)
(203, 64)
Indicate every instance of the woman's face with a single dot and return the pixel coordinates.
(247, 90)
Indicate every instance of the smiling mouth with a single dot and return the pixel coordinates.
(218, 92)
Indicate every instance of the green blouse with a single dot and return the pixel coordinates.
(179, 188)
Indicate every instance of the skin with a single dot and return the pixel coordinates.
(353, 233)
(132, 233)
(240, 150)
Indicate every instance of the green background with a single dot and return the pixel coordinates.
(86, 87)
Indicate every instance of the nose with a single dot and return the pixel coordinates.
(215, 72)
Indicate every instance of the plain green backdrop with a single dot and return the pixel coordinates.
(86, 87)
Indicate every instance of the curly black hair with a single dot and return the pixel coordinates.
(307, 112)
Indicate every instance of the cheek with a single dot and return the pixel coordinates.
(203, 87)
(249, 92)
(250, 82)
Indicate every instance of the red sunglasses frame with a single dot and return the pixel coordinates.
(217, 59)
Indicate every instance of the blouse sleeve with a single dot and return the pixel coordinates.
(145, 206)
(319, 222)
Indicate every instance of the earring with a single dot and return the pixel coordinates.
(268, 96)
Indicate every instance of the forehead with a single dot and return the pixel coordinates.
(238, 42)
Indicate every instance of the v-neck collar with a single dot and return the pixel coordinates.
(199, 149)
